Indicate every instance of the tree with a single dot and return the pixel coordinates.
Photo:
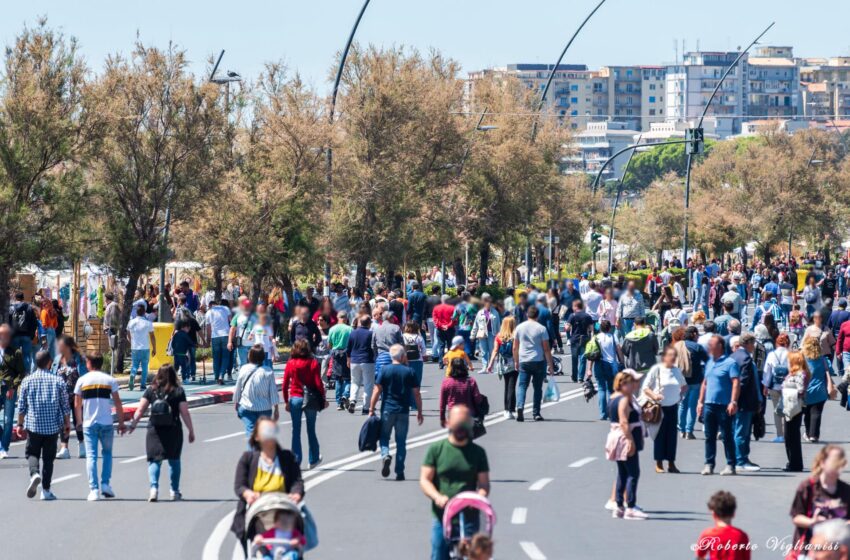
(654, 223)
(163, 135)
(395, 144)
(657, 162)
(46, 131)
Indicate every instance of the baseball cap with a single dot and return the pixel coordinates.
(457, 341)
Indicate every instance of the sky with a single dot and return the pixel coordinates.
(306, 34)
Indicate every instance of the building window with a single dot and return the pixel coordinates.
(652, 99)
(573, 87)
(573, 99)
(652, 112)
(574, 113)
(652, 87)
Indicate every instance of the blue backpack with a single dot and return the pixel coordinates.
(506, 349)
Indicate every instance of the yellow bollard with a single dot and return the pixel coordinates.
(162, 333)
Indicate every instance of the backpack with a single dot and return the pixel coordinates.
(412, 349)
(22, 320)
(592, 350)
(811, 297)
(160, 415)
(506, 349)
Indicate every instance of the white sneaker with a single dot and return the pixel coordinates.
(106, 491)
(617, 513)
(175, 496)
(3, 454)
(94, 496)
(507, 414)
(635, 514)
(154, 495)
(47, 495)
(35, 480)
(63, 453)
(611, 505)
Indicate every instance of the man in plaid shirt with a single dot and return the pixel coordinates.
(43, 411)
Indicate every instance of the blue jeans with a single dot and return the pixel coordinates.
(439, 545)
(416, 366)
(295, 409)
(182, 367)
(628, 326)
(468, 345)
(153, 473)
(139, 360)
(578, 362)
(250, 417)
(25, 344)
(743, 423)
(485, 346)
(343, 387)
(220, 356)
(8, 417)
(242, 355)
(442, 341)
(716, 417)
(756, 297)
(398, 421)
(688, 409)
(50, 335)
(94, 434)
(382, 360)
(534, 373)
(604, 373)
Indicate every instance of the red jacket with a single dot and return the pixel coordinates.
(843, 344)
(442, 316)
(300, 372)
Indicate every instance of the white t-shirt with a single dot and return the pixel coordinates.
(704, 338)
(262, 335)
(244, 326)
(667, 381)
(96, 390)
(139, 329)
(218, 318)
(592, 299)
(606, 345)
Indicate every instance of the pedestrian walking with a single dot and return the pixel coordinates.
(691, 357)
(503, 359)
(665, 385)
(414, 346)
(749, 399)
(718, 403)
(531, 356)
(43, 413)
(398, 389)
(95, 393)
(70, 365)
(606, 365)
(49, 325)
(629, 307)
(140, 335)
(775, 371)
(452, 466)
(640, 347)
(338, 336)
(255, 394)
(241, 325)
(458, 389)
(304, 394)
(12, 372)
(361, 362)
(624, 443)
(386, 335)
(164, 438)
(484, 329)
(444, 328)
(218, 332)
(265, 467)
(580, 327)
(456, 351)
(818, 389)
(24, 323)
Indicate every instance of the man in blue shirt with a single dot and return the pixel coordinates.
(396, 382)
(416, 304)
(718, 403)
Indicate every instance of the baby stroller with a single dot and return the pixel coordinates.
(261, 516)
(456, 516)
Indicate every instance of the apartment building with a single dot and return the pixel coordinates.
(826, 87)
(653, 88)
(773, 83)
(593, 146)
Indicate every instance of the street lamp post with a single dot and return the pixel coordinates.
(537, 113)
(699, 125)
(616, 205)
(329, 172)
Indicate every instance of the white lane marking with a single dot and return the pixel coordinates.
(581, 462)
(228, 436)
(134, 459)
(540, 484)
(64, 478)
(532, 551)
(518, 516)
(216, 539)
(212, 547)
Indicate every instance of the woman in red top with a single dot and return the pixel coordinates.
(302, 376)
(325, 308)
(458, 388)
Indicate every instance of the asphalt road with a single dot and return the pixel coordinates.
(550, 481)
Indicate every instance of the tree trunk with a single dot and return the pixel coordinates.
(256, 286)
(484, 262)
(126, 308)
(459, 271)
(5, 303)
(390, 274)
(218, 278)
(659, 257)
(360, 279)
(766, 252)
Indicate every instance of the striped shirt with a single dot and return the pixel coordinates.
(43, 402)
(259, 394)
(96, 388)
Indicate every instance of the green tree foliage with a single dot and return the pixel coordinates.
(657, 162)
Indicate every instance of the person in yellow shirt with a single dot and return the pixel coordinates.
(456, 351)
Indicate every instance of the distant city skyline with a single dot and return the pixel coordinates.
(476, 33)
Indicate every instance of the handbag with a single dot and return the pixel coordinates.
(313, 399)
(650, 412)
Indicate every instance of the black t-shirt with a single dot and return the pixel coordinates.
(812, 500)
(828, 287)
(174, 398)
(580, 328)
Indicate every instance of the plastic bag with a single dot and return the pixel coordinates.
(552, 394)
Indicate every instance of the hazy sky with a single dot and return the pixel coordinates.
(478, 33)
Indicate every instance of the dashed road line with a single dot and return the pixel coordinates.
(228, 436)
(519, 515)
(532, 551)
(540, 484)
(581, 462)
(134, 459)
(64, 478)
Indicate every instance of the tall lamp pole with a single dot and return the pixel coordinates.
(617, 204)
(537, 113)
(329, 152)
(699, 125)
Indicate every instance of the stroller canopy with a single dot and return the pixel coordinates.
(466, 500)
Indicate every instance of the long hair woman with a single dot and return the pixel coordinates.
(666, 385)
(300, 377)
(793, 393)
(821, 497)
(503, 358)
(164, 439)
(458, 388)
(624, 444)
(818, 389)
(70, 365)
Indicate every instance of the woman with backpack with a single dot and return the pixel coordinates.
(487, 323)
(606, 358)
(812, 297)
(458, 388)
(503, 358)
(164, 439)
(70, 365)
(793, 394)
(414, 347)
(775, 370)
